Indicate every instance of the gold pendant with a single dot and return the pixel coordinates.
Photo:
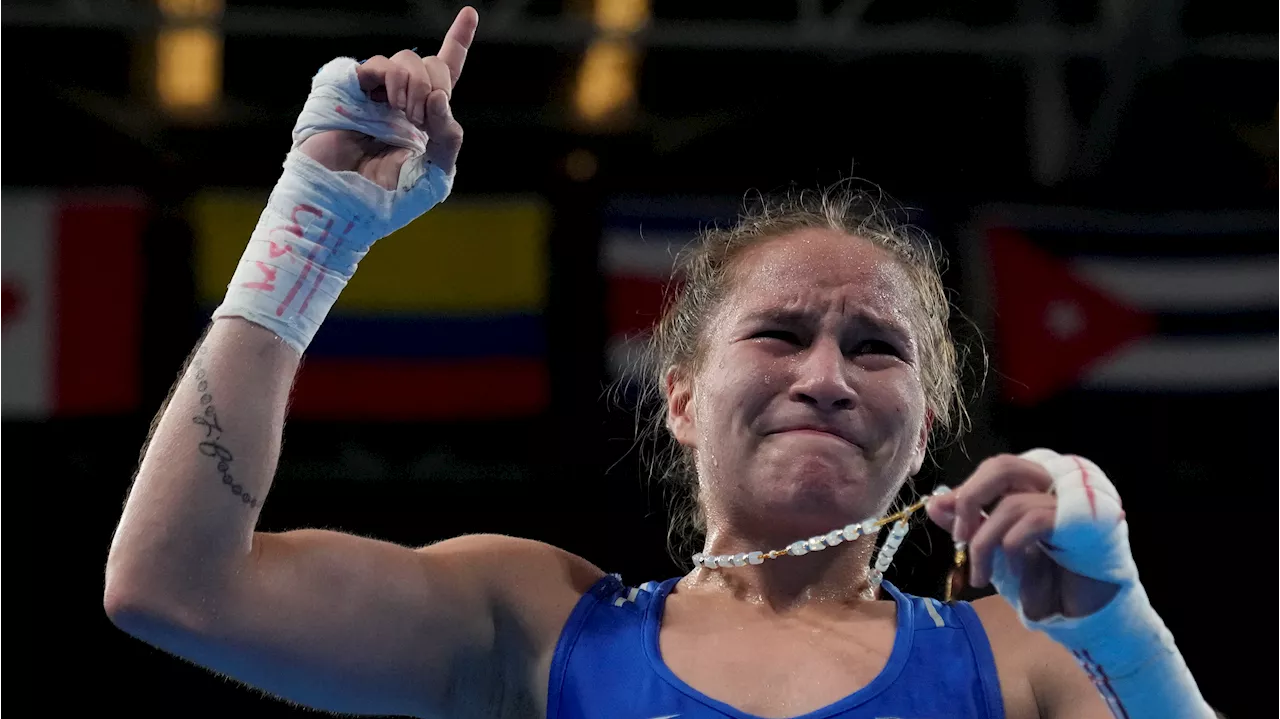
(955, 578)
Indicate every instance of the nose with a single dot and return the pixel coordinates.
(821, 379)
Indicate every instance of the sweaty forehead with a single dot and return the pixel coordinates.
(821, 267)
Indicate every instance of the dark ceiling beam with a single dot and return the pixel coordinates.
(819, 35)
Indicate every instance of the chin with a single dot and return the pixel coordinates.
(816, 488)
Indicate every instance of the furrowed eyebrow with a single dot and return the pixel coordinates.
(779, 315)
(801, 317)
(789, 316)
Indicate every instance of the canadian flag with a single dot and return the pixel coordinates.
(72, 286)
(1136, 303)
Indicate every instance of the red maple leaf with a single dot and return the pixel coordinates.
(13, 300)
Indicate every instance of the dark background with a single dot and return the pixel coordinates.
(1168, 105)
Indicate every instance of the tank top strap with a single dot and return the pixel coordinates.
(607, 620)
(985, 660)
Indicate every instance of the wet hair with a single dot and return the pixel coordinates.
(704, 277)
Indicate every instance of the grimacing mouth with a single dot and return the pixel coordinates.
(817, 427)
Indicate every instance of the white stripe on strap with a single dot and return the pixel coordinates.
(937, 618)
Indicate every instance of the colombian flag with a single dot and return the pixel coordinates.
(443, 319)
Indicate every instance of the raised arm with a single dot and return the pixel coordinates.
(328, 620)
(331, 621)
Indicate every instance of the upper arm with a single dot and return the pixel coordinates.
(1038, 676)
(355, 625)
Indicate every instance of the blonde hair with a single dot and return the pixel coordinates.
(704, 278)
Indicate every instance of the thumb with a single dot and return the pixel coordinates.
(444, 134)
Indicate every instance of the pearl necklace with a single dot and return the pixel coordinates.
(847, 533)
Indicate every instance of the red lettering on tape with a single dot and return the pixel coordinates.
(320, 274)
(306, 270)
(269, 277)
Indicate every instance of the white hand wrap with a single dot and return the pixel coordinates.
(318, 223)
(1124, 647)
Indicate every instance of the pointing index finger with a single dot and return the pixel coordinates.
(453, 51)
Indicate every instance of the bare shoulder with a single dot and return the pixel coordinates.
(518, 575)
(531, 588)
(507, 552)
(1038, 677)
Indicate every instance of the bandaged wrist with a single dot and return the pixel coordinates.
(319, 223)
(1130, 656)
(1124, 647)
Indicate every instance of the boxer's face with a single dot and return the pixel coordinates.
(806, 407)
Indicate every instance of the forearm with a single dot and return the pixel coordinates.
(189, 519)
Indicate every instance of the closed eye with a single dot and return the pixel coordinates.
(876, 347)
(784, 335)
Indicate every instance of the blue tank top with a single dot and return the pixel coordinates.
(607, 664)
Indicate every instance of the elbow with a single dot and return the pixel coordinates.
(123, 590)
(159, 618)
(140, 606)
(123, 610)
(127, 603)
(122, 587)
(149, 621)
(148, 592)
(117, 595)
(129, 611)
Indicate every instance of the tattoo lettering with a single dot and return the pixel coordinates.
(211, 446)
(209, 420)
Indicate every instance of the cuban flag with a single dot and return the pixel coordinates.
(72, 293)
(1182, 302)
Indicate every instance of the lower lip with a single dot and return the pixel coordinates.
(816, 433)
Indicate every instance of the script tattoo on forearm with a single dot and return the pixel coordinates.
(210, 444)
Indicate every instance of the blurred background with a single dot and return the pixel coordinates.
(1101, 173)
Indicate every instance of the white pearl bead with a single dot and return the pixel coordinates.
(697, 559)
(893, 542)
(883, 561)
(815, 544)
(755, 557)
(797, 548)
(725, 561)
(740, 559)
(834, 537)
(709, 562)
(940, 490)
(869, 526)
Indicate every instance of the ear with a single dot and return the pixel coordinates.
(922, 444)
(678, 388)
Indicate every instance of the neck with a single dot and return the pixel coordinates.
(836, 575)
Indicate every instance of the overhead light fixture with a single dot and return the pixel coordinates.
(188, 57)
(605, 91)
(606, 82)
(620, 16)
